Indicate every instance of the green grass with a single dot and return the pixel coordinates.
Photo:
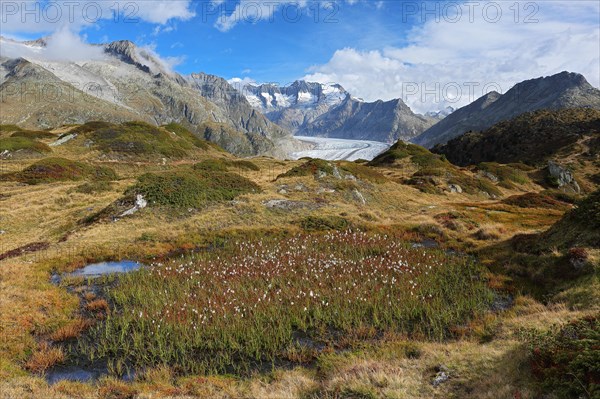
(507, 175)
(232, 309)
(50, 170)
(33, 134)
(535, 200)
(223, 165)
(418, 155)
(189, 136)
(322, 223)
(94, 187)
(580, 226)
(139, 139)
(9, 128)
(13, 144)
(187, 188)
(312, 167)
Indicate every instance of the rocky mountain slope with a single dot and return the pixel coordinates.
(128, 83)
(530, 138)
(314, 109)
(563, 90)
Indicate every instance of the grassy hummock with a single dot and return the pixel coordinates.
(188, 188)
(50, 170)
(245, 305)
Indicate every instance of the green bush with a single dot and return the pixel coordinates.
(12, 144)
(191, 189)
(94, 187)
(222, 165)
(318, 223)
(187, 135)
(33, 134)
(310, 168)
(566, 361)
(9, 128)
(60, 169)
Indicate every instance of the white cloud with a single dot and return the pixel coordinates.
(254, 11)
(442, 58)
(43, 16)
(63, 45)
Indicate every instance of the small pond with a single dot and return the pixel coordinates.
(96, 270)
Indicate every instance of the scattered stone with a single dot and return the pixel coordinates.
(455, 188)
(442, 375)
(300, 187)
(502, 302)
(359, 197)
(63, 140)
(2, 232)
(489, 176)
(336, 172)
(5, 154)
(323, 190)
(564, 177)
(140, 203)
(320, 174)
(289, 205)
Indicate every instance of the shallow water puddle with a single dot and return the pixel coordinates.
(81, 374)
(101, 269)
(96, 270)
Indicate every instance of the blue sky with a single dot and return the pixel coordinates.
(375, 49)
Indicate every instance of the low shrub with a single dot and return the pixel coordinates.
(322, 223)
(190, 188)
(535, 200)
(312, 167)
(13, 144)
(33, 134)
(60, 169)
(566, 360)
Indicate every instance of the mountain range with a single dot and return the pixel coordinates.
(328, 110)
(124, 83)
(563, 90)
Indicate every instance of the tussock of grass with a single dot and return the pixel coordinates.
(12, 144)
(318, 223)
(50, 170)
(33, 134)
(9, 128)
(507, 175)
(191, 189)
(94, 187)
(223, 165)
(534, 200)
(243, 305)
(312, 167)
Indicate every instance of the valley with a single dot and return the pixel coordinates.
(340, 149)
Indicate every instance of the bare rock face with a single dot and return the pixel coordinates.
(130, 83)
(563, 90)
(563, 176)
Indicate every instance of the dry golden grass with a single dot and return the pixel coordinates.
(44, 358)
(33, 310)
